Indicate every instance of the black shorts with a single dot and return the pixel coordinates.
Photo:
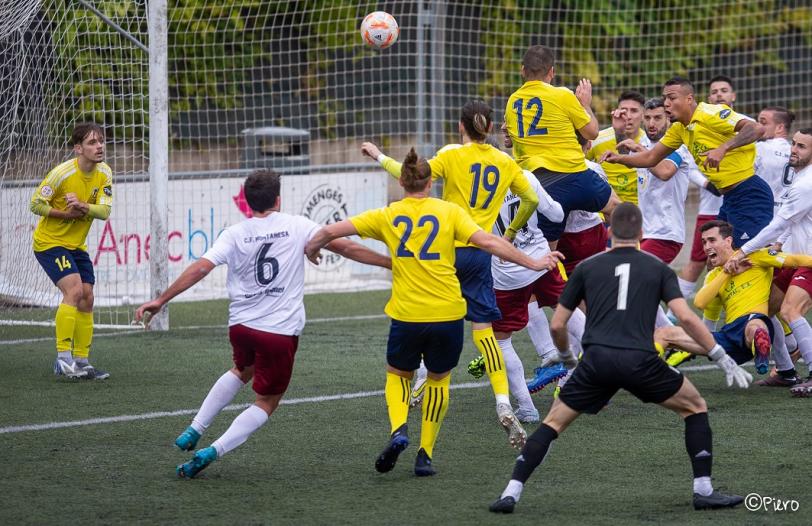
(604, 370)
(438, 343)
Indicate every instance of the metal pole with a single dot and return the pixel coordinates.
(115, 26)
(158, 155)
(437, 73)
(421, 80)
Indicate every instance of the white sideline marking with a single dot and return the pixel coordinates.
(181, 412)
(137, 330)
(238, 407)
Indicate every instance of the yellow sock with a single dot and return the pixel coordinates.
(494, 362)
(397, 392)
(677, 358)
(65, 326)
(785, 325)
(660, 350)
(82, 335)
(435, 405)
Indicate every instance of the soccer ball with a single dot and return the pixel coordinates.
(379, 30)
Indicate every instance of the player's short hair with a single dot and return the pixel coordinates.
(680, 81)
(722, 78)
(805, 131)
(781, 115)
(725, 228)
(632, 95)
(476, 118)
(538, 60)
(627, 222)
(415, 172)
(653, 104)
(261, 190)
(83, 130)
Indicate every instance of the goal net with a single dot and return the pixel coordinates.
(290, 86)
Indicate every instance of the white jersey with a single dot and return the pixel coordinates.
(662, 203)
(580, 220)
(796, 207)
(772, 157)
(709, 204)
(265, 258)
(529, 239)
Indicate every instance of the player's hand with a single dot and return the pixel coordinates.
(775, 248)
(713, 158)
(314, 256)
(584, 93)
(620, 118)
(370, 150)
(611, 157)
(733, 373)
(737, 263)
(630, 145)
(151, 307)
(549, 261)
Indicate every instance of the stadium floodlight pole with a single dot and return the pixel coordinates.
(118, 28)
(158, 155)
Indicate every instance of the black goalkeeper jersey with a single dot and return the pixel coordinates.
(622, 289)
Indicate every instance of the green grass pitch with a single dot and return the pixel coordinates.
(312, 463)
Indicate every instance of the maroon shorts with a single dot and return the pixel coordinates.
(577, 246)
(697, 252)
(271, 355)
(513, 303)
(800, 277)
(663, 249)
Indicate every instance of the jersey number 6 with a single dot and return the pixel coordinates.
(265, 264)
(434, 224)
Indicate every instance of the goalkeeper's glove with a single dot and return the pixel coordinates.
(733, 373)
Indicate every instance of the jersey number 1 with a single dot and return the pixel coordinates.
(622, 272)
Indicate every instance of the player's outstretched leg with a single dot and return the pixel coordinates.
(199, 462)
(435, 406)
(220, 395)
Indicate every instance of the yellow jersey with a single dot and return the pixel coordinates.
(748, 292)
(420, 234)
(95, 187)
(712, 125)
(477, 178)
(622, 178)
(541, 120)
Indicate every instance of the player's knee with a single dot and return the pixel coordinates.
(790, 311)
(73, 294)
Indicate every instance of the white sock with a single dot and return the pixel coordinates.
(702, 485)
(515, 374)
(575, 328)
(686, 287)
(513, 489)
(67, 356)
(789, 339)
(780, 354)
(221, 394)
(539, 330)
(662, 320)
(240, 429)
(803, 335)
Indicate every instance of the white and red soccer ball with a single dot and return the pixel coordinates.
(379, 30)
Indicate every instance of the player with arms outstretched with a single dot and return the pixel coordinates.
(426, 306)
(477, 177)
(619, 354)
(70, 197)
(265, 259)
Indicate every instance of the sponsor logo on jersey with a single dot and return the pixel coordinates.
(46, 191)
(724, 114)
(108, 191)
(326, 205)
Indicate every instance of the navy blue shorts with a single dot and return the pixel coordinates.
(59, 262)
(749, 208)
(731, 337)
(474, 272)
(439, 343)
(576, 191)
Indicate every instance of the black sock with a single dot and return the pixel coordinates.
(533, 452)
(789, 373)
(699, 443)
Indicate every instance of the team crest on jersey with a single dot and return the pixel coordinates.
(326, 204)
(108, 191)
(94, 193)
(46, 191)
(724, 114)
